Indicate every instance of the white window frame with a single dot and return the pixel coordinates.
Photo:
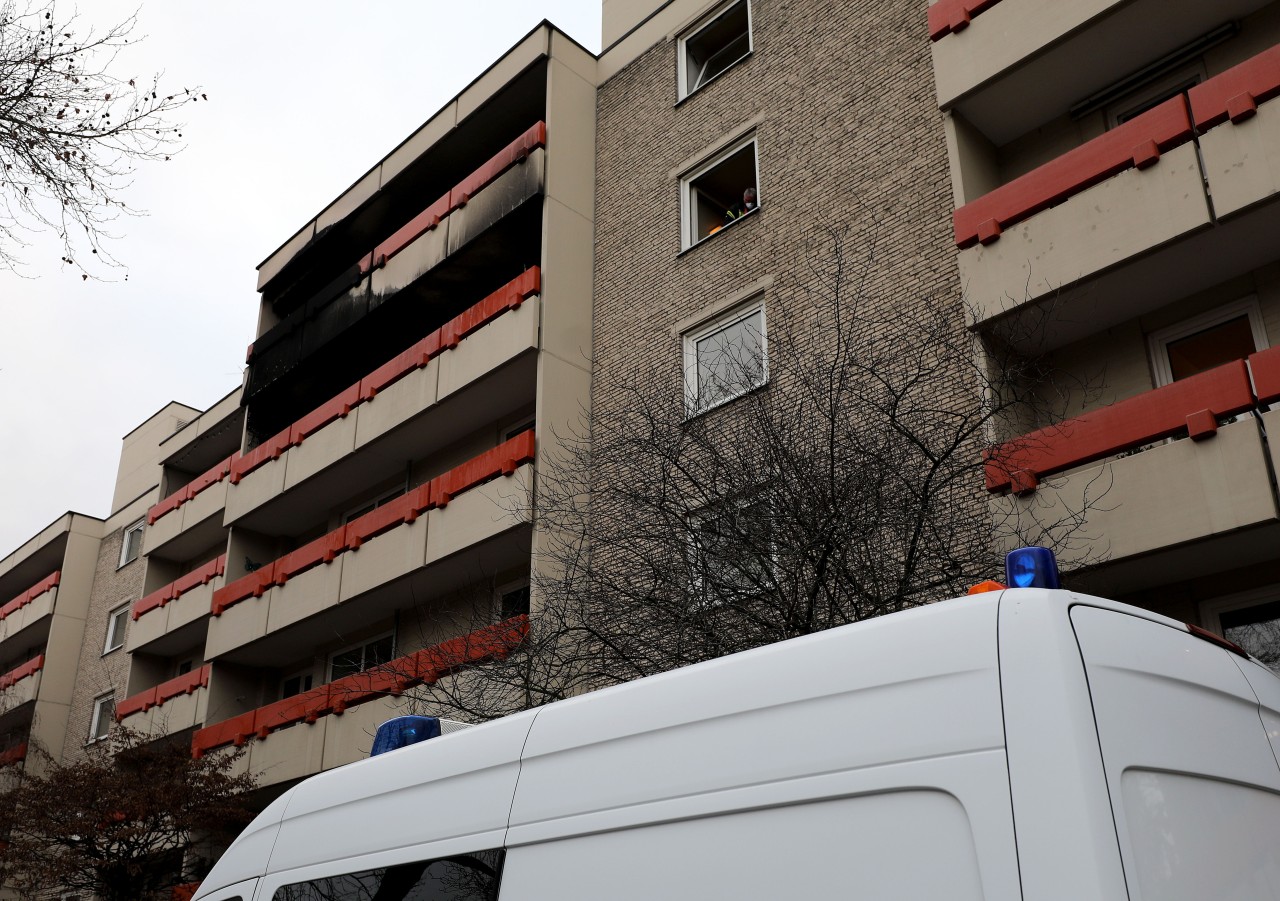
(500, 591)
(373, 503)
(120, 614)
(1158, 341)
(96, 720)
(139, 527)
(688, 232)
(719, 322)
(300, 675)
(696, 518)
(682, 56)
(361, 645)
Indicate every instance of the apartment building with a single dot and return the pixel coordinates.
(68, 590)
(355, 519)
(1115, 174)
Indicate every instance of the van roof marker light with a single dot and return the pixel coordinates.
(1031, 567)
(404, 731)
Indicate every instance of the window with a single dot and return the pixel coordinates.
(1230, 332)
(104, 712)
(465, 877)
(372, 505)
(131, 543)
(513, 601)
(184, 667)
(1154, 93)
(1251, 619)
(713, 45)
(720, 193)
(362, 657)
(295, 685)
(725, 358)
(732, 549)
(117, 622)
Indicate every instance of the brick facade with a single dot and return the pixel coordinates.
(849, 136)
(113, 586)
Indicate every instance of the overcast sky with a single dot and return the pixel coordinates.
(303, 98)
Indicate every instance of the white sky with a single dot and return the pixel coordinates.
(304, 98)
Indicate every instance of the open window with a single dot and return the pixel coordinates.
(104, 713)
(1230, 332)
(713, 45)
(725, 357)
(117, 623)
(719, 193)
(131, 543)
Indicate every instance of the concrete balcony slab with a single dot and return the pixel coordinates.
(1172, 494)
(1242, 161)
(1128, 215)
(481, 513)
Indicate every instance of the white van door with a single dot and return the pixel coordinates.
(1194, 785)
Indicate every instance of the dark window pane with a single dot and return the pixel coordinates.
(467, 877)
(1231, 340)
(1257, 630)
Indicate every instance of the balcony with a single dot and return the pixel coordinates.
(29, 607)
(170, 707)
(1142, 493)
(1118, 226)
(333, 724)
(198, 503)
(21, 684)
(163, 621)
(470, 506)
(474, 368)
(14, 755)
(1007, 65)
(409, 258)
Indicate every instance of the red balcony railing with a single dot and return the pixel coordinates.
(1236, 93)
(1138, 143)
(158, 694)
(48, 583)
(508, 297)
(190, 490)
(949, 16)
(13, 755)
(501, 460)
(201, 575)
(1188, 407)
(422, 668)
(25, 671)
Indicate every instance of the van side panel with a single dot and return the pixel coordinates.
(446, 796)
(908, 844)
(905, 702)
(1194, 784)
(1067, 847)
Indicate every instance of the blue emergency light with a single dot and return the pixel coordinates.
(1031, 567)
(403, 731)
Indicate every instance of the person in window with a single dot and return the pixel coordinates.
(741, 209)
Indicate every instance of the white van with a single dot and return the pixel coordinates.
(1022, 744)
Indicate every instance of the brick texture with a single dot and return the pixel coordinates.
(100, 672)
(849, 136)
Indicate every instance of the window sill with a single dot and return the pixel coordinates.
(692, 416)
(743, 218)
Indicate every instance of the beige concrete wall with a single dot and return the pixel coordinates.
(139, 469)
(1242, 161)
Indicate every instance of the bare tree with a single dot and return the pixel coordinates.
(840, 479)
(127, 822)
(72, 127)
